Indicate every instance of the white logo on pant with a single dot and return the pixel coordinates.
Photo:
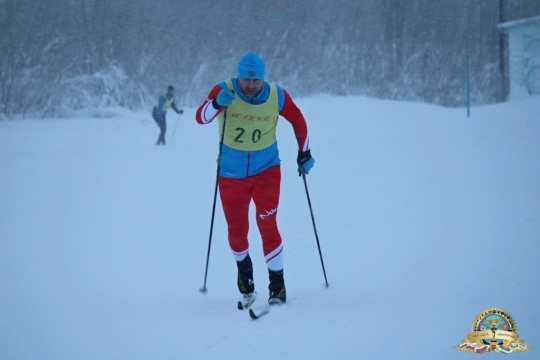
(268, 213)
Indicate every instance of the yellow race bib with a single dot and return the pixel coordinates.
(250, 127)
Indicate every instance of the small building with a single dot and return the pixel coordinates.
(524, 56)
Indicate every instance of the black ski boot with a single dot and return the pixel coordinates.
(245, 276)
(278, 295)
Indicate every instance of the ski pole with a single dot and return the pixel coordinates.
(204, 289)
(174, 131)
(314, 227)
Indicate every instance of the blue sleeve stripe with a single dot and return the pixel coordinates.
(281, 98)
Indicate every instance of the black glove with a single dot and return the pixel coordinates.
(305, 162)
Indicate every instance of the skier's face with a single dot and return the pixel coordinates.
(250, 87)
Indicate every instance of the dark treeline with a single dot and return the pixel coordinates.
(59, 55)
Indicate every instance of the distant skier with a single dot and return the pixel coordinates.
(250, 165)
(160, 110)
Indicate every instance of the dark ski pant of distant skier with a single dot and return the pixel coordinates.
(162, 123)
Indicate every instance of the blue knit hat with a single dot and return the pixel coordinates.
(251, 66)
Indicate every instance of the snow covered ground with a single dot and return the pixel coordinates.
(426, 218)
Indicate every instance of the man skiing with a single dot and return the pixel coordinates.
(248, 108)
(160, 110)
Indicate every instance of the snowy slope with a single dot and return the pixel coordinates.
(425, 217)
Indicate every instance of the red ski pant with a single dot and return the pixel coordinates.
(236, 195)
